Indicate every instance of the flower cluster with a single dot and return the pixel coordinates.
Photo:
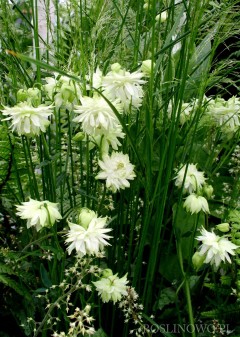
(39, 214)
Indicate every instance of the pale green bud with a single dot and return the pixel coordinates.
(208, 190)
(34, 96)
(22, 95)
(78, 137)
(223, 227)
(67, 93)
(197, 260)
(162, 17)
(107, 272)
(85, 217)
(116, 67)
(147, 67)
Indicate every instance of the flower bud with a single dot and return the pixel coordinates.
(208, 190)
(162, 17)
(85, 217)
(147, 67)
(107, 272)
(67, 93)
(78, 137)
(197, 260)
(34, 96)
(22, 95)
(223, 227)
(116, 67)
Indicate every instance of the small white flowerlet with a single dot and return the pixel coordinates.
(28, 120)
(96, 115)
(39, 214)
(125, 86)
(90, 240)
(111, 288)
(196, 203)
(193, 181)
(116, 170)
(215, 248)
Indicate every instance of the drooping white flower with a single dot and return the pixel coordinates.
(96, 115)
(39, 214)
(194, 179)
(116, 169)
(90, 239)
(28, 120)
(125, 86)
(112, 288)
(108, 138)
(196, 203)
(95, 80)
(215, 248)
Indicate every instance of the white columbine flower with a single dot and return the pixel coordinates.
(225, 113)
(195, 203)
(96, 115)
(123, 85)
(28, 120)
(194, 179)
(89, 239)
(215, 248)
(116, 170)
(39, 214)
(111, 288)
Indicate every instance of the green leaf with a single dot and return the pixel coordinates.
(100, 333)
(45, 277)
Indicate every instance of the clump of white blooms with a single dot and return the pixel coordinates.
(195, 203)
(64, 91)
(89, 235)
(116, 169)
(125, 86)
(215, 248)
(39, 214)
(225, 114)
(28, 120)
(110, 287)
(191, 179)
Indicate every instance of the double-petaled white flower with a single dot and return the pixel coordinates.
(191, 179)
(215, 248)
(96, 116)
(89, 237)
(39, 214)
(28, 120)
(195, 203)
(125, 86)
(225, 113)
(112, 288)
(116, 169)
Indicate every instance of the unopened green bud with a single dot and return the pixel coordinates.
(223, 227)
(79, 137)
(67, 93)
(34, 96)
(116, 67)
(197, 260)
(22, 95)
(147, 66)
(208, 190)
(107, 272)
(85, 217)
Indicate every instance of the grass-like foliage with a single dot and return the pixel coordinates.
(119, 168)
